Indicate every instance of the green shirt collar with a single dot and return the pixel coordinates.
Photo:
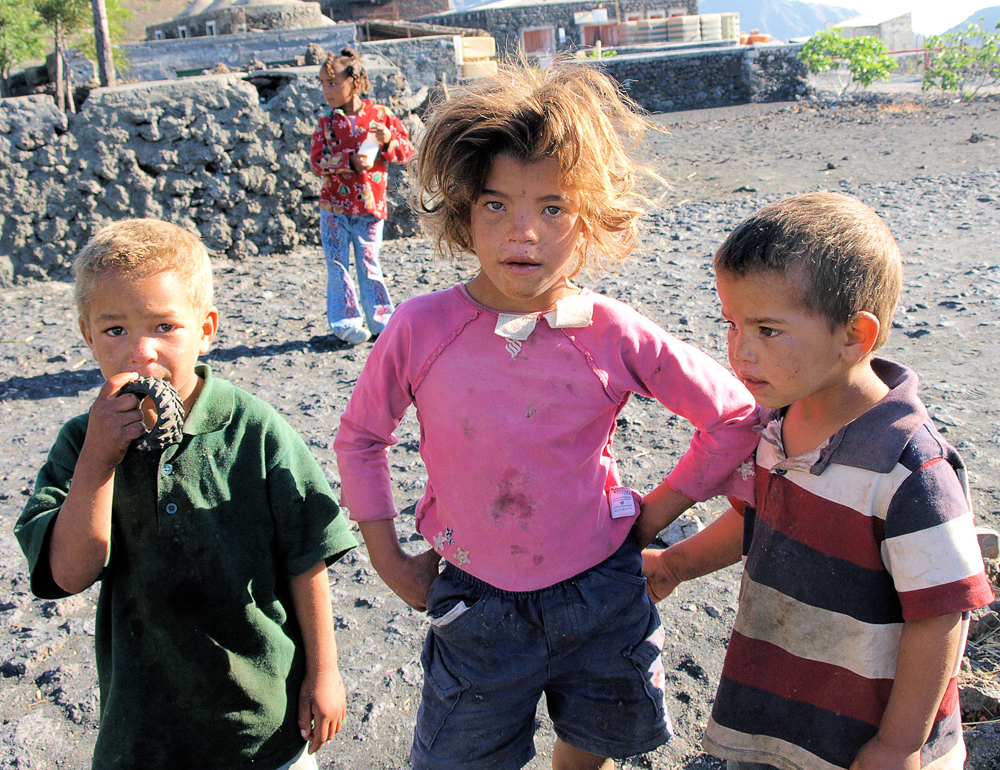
(213, 410)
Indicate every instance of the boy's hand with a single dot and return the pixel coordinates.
(360, 163)
(875, 755)
(115, 422)
(661, 578)
(322, 706)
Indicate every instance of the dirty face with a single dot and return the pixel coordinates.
(780, 349)
(526, 231)
(150, 326)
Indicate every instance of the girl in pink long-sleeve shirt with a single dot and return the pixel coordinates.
(518, 377)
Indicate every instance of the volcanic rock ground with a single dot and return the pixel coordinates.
(931, 169)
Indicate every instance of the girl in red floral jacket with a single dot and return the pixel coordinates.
(350, 149)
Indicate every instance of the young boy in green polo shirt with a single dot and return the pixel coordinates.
(215, 642)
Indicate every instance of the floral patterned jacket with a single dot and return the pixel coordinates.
(345, 191)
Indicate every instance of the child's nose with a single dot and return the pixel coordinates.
(144, 349)
(524, 229)
(739, 350)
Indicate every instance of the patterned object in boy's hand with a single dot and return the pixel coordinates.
(169, 427)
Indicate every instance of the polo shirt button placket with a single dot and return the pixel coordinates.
(171, 508)
(167, 469)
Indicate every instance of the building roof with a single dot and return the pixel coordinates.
(201, 6)
(865, 20)
(492, 5)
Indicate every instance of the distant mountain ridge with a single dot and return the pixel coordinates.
(782, 19)
(991, 16)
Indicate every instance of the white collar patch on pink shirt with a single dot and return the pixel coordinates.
(575, 312)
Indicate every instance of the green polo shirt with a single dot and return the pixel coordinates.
(199, 655)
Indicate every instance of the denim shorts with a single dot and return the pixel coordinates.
(592, 644)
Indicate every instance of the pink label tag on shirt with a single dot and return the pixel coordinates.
(622, 502)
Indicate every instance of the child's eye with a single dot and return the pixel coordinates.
(114, 331)
(553, 211)
(767, 331)
(163, 328)
(494, 206)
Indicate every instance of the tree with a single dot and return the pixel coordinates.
(866, 58)
(102, 44)
(963, 61)
(116, 17)
(64, 18)
(20, 37)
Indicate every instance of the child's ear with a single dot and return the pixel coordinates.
(85, 332)
(209, 326)
(862, 334)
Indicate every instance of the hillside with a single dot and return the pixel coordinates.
(782, 19)
(991, 16)
(147, 12)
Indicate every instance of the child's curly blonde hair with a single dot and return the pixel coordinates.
(570, 112)
(139, 248)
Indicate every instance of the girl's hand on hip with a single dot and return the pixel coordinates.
(413, 580)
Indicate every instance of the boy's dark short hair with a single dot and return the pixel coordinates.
(849, 260)
(354, 68)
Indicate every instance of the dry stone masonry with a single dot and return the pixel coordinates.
(226, 156)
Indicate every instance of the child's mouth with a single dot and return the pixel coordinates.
(519, 265)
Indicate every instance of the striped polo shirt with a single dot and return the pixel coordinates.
(845, 544)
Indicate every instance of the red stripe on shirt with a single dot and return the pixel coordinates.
(959, 595)
(823, 525)
(768, 667)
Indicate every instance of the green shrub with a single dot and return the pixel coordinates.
(866, 58)
(963, 61)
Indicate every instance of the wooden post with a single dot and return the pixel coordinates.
(102, 41)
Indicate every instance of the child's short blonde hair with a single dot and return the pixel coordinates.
(849, 259)
(354, 68)
(571, 112)
(138, 248)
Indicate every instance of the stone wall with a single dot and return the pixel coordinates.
(164, 59)
(242, 18)
(688, 80)
(225, 155)
(896, 33)
(506, 24)
(424, 61)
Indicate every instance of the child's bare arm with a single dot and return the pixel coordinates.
(927, 653)
(659, 508)
(322, 700)
(81, 534)
(410, 577)
(718, 545)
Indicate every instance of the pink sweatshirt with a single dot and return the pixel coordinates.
(516, 434)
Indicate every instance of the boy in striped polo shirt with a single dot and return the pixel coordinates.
(861, 562)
